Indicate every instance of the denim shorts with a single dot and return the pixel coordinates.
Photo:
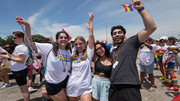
(149, 69)
(100, 88)
(170, 65)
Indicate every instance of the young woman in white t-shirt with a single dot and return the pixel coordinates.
(58, 63)
(79, 83)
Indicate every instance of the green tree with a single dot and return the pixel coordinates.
(37, 38)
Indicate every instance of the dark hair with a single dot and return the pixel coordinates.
(46, 40)
(118, 27)
(107, 53)
(19, 34)
(55, 44)
(172, 39)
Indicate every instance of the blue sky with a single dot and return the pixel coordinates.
(49, 16)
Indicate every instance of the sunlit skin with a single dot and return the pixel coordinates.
(118, 36)
(16, 39)
(101, 50)
(62, 41)
(80, 47)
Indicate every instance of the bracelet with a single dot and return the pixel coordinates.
(9, 58)
(139, 10)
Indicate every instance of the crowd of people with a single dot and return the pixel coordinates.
(68, 64)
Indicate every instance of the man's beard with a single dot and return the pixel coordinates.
(119, 43)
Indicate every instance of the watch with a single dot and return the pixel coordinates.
(9, 58)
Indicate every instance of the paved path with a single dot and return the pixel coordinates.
(13, 93)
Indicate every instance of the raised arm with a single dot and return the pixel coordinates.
(28, 31)
(90, 28)
(149, 24)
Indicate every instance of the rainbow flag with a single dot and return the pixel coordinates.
(128, 7)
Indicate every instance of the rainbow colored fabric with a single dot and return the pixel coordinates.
(7, 45)
(63, 58)
(128, 7)
(77, 61)
(155, 57)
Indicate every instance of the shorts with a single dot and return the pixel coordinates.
(124, 92)
(170, 65)
(159, 60)
(20, 76)
(100, 88)
(149, 69)
(5, 66)
(53, 89)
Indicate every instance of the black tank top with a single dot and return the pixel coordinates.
(99, 67)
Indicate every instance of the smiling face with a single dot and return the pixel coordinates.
(62, 40)
(118, 36)
(99, 49)
(80, 45)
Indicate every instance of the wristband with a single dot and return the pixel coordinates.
(9, 58)
(139, 10)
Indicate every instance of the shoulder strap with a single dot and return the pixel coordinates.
(47, 57)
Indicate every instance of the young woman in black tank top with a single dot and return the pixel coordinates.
(102, 67)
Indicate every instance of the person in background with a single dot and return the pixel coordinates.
(147, 61)
(170, 62)
(102, 72)
(4, 69)
(107, 45)
(161, 48)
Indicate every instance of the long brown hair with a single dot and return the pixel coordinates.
(55, 44)
(76, 53)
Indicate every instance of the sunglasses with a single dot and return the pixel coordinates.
(98, 48)
(62, 37)
(78, 43)
(14, 37)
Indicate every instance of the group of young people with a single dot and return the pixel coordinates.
(167, 49)
(68, 76)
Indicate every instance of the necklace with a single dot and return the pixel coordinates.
(62, 60)
(115, 55)
(101, 74)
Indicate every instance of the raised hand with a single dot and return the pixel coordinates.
(89, 23)
(20, 20)
(137, 4)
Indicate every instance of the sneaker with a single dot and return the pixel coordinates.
(162, 78)
(39, 84)
(6, 85)
(173, 89)
(2, 84)
(151, 89)
(167, 81)
(168, 84)
(30, 89)
(146, 79)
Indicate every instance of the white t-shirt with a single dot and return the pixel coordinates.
(57, 67)
(147, 56)
(80, 79)
(19, 49)
(173, 57)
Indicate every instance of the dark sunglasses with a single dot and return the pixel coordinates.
(14, 37)
(99, 48)
(62, 37)
(78, 43)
